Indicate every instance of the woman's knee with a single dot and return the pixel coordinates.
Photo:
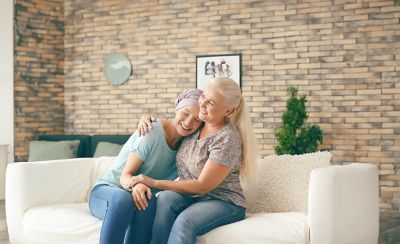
(166, 198)
(121, 199)
(184, 222)
(170, 203)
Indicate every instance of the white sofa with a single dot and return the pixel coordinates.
(46, 202)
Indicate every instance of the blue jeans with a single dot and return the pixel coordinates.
(180, 219)
(122, 222)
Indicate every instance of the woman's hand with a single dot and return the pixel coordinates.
(129, 183)
(144, 180)
(145, 124)
(126, 181)
(141, 194)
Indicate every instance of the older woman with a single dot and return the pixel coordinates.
(128, 210)
(209, 162)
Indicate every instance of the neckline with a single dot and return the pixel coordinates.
(213, 135)
(165, 139)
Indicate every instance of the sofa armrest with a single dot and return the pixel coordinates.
(30, 184)
(343, 204)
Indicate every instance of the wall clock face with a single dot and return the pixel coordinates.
(117, 68)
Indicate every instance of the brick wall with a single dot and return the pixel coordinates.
(38, 71)
(344, 55)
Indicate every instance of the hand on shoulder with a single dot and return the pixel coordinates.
(144, 125)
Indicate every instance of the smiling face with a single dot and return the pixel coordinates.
(213, 108)
(187, 120)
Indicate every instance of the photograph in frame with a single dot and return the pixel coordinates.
(209, 67)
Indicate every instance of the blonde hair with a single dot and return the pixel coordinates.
(239, 117)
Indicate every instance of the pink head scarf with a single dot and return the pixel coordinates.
(189, 97)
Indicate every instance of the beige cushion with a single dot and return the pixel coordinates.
(100, 167)
(282, 182)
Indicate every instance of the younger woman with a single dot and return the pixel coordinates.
(128, 210)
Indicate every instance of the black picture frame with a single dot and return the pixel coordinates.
(218, 65)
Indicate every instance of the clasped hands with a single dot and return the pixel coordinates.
(140, 185)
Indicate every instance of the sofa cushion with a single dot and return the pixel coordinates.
(117, 139)
(282, 182)
(100, 167)
(52, 150)
(84, 145)
(88, 143)
(107, 149)
(260, 228)
(73, 223)
(61, 223)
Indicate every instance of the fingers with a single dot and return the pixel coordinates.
(149, 194)
(130, 182)
(141, 179)
(135, 201)
(138, 202)
(142, 128)
(148, 125)
(135, 180)
(145, 124)
(139, 198)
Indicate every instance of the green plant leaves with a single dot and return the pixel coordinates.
(294, 135)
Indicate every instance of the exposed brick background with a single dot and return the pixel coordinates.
(344, 55)
(38, 71)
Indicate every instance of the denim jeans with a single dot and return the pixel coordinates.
(180, 219)
(122, 222)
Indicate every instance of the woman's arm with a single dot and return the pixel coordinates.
(140, 192)
(132, 165)
(212, 175)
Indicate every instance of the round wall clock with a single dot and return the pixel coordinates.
(117, 68)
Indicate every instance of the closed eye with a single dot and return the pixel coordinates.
(211, 102)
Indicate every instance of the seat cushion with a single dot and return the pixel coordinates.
(261, 228)
(61, 223)
(73, 223)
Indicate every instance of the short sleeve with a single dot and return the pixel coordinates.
(226, 149)
(142, 146)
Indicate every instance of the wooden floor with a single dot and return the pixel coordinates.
(389, 227)
(3, 225)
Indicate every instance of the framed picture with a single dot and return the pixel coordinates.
(209, 67)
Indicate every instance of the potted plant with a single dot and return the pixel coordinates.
(295, 136)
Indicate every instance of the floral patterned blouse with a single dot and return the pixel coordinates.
(224, 148)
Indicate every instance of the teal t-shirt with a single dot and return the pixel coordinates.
(158, 158)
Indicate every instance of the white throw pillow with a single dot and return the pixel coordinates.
(282, 182)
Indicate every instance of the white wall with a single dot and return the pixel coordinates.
(7, 76)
